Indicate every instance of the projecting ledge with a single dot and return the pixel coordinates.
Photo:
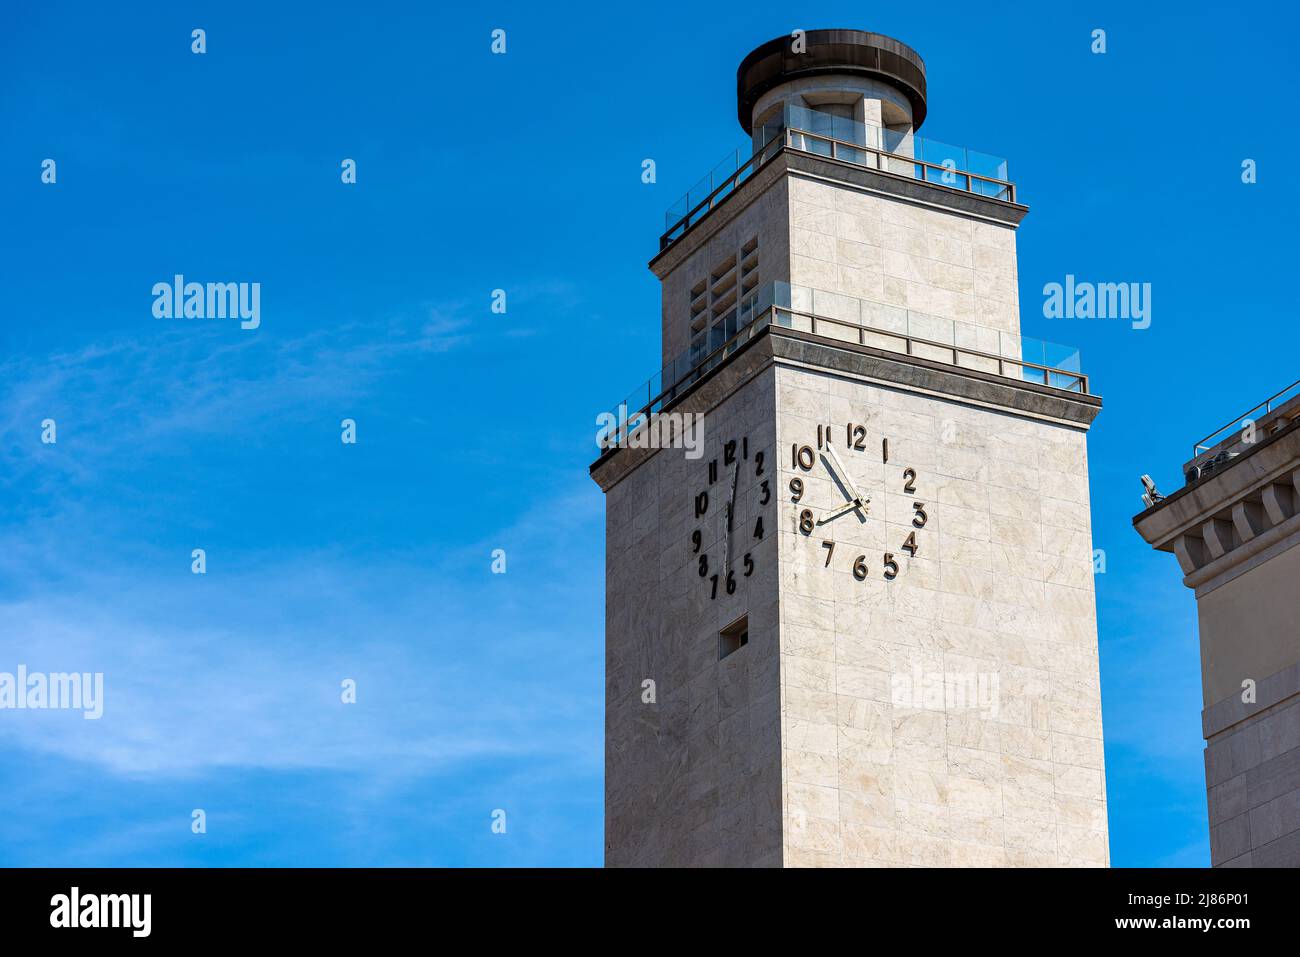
(938, 378)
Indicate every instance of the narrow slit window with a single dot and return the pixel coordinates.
(734, 637)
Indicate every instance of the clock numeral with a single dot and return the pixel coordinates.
(806, 521)
(758, 527)
(830, 550)
(855, 437)
(749, 565)
(731, 583)
(701, 503)
(796, 489)
(823, 436)
(744, 448)
(714, 593)
(802, 457)
(767, 492)
(920, 518)
(696, 540)
(713, 471)
(909, 481)
(758, 463)
(884, 450)
(860, 568)
(729, 452)
(704, 565)
(891, 567)
(910, 545)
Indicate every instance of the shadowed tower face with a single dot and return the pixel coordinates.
(855, 624)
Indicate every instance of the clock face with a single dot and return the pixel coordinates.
(728, 516)
(839, 490)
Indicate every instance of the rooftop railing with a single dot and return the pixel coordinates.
(732, 170)
(1239, 423)
(964, 344)
(860, 322)
(899, 152)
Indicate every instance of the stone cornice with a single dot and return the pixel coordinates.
(1233, 518)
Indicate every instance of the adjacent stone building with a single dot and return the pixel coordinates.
(859, 628)
(1234, 528)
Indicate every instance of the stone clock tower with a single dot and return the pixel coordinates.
(849, 599)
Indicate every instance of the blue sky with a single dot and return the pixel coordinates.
(522, 172)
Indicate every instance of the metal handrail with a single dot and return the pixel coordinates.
(770, 316)
(1213, 439)
(706, 364)
(685, 222)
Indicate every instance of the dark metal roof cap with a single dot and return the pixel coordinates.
(831, 51)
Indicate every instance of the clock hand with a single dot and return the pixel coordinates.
(858, 500)
(856, 503)
(731, 508)
(844, 475)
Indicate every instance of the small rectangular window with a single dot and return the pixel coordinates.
(734, 637)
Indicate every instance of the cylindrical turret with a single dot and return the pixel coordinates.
(869, 81)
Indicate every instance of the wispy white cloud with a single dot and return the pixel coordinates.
(241, 668)
(245, 670)
(190, 379)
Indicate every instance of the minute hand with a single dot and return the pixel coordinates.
(844, 475)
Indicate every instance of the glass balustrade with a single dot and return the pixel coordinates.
(894, 150)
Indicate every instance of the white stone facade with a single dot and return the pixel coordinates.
(957, 270)
(1001, 585)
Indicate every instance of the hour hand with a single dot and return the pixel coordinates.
(856, 503)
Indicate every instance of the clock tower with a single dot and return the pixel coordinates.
(849, 600)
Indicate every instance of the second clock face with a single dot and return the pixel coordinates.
(732, 525)
(840, 477)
